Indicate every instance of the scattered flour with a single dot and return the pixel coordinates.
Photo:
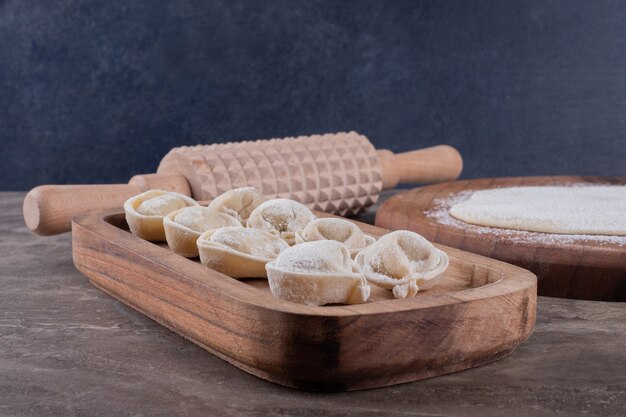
(321, 256)
(161, 205)
(201, 219)
(441, 214)
(340, 230)
(249, 241)
(282, 215)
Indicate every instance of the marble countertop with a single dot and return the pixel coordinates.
(67, 349)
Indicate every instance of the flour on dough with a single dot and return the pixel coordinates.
(593, 210)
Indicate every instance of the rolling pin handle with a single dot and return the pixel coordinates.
(434, 164)
(48, 209)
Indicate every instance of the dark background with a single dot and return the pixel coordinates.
(97, 91)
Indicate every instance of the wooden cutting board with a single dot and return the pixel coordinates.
(480, 312)
(589, 268)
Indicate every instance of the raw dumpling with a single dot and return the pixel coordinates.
(404, 262)
(317, 273)
(282, 216)
(238, 251)
(238, 203)
(145, 212)
(341, 230)
(183, 227)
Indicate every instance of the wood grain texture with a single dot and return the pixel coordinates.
(480, 313)
(428, 165)
(582, 269)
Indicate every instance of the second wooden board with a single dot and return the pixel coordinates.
(481, 310)
(571, 266)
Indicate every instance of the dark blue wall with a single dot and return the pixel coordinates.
(96, 91)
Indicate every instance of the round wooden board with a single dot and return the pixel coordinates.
(591, 268)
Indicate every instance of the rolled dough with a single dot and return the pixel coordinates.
(590, 210)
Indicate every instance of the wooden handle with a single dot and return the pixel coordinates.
(48, 209)
(435, 164)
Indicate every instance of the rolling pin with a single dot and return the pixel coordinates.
(339, 173)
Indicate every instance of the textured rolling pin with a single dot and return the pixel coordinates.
(338, 173)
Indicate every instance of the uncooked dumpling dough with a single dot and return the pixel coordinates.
(340, 230)
(403, 262)
(145, 212)
(183, 227)
(591, 210)
(281, 216)
(238, 251)
(238, 203)
(317, 273)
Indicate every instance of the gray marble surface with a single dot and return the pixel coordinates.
(67, 349)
